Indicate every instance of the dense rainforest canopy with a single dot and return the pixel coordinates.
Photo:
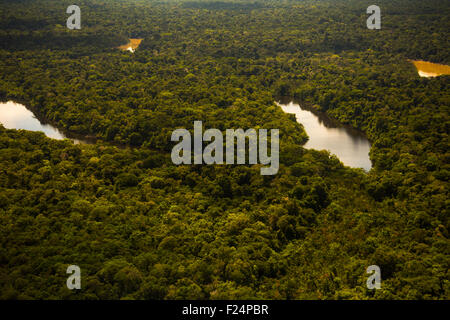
(140, 227)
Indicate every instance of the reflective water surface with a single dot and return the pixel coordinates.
(131, 45)
(429, 69)
(351, 146)
(16, 116)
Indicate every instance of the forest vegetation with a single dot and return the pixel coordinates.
(140, 227)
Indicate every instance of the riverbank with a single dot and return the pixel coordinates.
(350, 145)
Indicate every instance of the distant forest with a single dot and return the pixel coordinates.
(141, 227)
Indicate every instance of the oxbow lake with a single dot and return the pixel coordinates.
(351, 146)
(16, 116)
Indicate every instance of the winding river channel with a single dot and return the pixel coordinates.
(16, 116)
(348, 144)
(351, 146)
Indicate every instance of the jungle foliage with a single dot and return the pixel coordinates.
(142, 228)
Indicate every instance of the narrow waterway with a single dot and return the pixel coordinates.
(16, 116)
(351, 146)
